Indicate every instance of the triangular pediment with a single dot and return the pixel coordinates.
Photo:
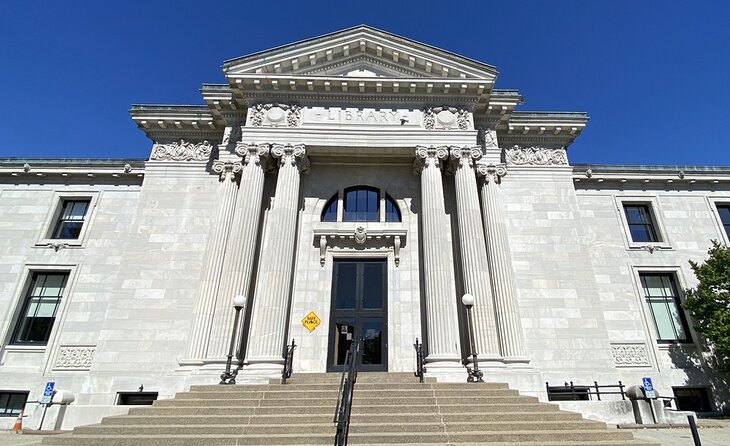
(360, 66)
(362, 52)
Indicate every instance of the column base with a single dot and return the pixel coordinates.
(487, 361)
(445, 368)
(195, 364)
(261, 370)
(517, 362)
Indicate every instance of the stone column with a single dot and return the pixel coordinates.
(240, 247)
(271, 300)
(511, 336)
(438, 271)
(213, 263)
(475, 266)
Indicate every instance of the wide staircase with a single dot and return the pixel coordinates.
(388, 409)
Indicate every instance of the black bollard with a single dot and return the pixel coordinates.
(693, 428)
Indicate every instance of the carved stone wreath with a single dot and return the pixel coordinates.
(446, 118)
(181, 151)
(538, 156)
(275, 115)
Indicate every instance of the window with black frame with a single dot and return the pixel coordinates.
(662, 297)
(39, 308)
(361, 203)
(11, 403)
(724, 211)
(71, 219)
(641, 223)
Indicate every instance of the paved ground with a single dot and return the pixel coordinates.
(713, 432)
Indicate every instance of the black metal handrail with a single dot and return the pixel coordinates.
(344, 397)
(420, 369)
(579, 392)
(288, 361)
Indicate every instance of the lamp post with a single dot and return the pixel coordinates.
(475, 375)
(228, 377)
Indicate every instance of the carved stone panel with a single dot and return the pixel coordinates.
(274, 115)
(630, 355)
(181, 151)
(446, 118)
(535, 156)
(74, 357)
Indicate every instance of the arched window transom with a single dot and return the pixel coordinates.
(362, 203)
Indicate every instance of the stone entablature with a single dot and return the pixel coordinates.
(290, 115)
(650, 176)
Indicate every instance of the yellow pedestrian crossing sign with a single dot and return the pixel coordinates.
(311, 321)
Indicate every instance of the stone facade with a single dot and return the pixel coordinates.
(248, 195)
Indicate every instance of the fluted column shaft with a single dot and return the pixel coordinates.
(271, 300)
(241, 245)
(475, 267)
(213, 262)
(500, 265)
(438, 271)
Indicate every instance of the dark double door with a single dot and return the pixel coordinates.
(359, 313)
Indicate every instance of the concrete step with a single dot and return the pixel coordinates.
(463, 408)
(246, 402)
(388, 409)
(227, 410)
(547, 443)
(535, 437)
(219, 440)
(412, 418)
(469, 426)
(360, 400)
(269, 394)
(457, 393)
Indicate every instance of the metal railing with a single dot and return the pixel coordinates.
(288, 361)
(344, 397)
(420, 369)
(579, 392)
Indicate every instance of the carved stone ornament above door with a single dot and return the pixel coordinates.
(359, 239)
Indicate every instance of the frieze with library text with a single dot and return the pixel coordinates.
(361, 116)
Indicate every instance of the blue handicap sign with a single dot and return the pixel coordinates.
(648, 387)
(48, 392)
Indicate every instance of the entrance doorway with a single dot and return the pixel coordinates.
(359, 313)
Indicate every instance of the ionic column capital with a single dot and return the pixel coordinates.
(253, 153)
(464, 156)
(227, 170)
(492, 172)
(294, 155)
(429, 156)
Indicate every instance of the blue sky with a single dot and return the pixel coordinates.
(653, 76)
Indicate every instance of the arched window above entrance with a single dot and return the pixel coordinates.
(362, 203)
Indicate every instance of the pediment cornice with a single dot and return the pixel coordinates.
(316, 54)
